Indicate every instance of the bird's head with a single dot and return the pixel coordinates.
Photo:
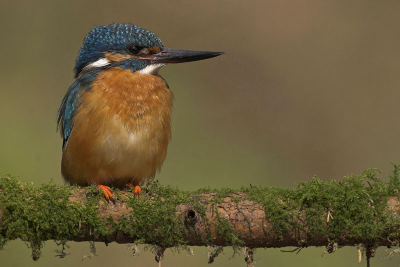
(129, 46)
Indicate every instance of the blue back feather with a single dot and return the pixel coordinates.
(71, 102)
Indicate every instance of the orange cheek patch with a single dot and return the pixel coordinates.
(120, 57)
(117, 57)
(154, 50)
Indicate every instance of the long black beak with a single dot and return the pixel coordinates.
(168, 55)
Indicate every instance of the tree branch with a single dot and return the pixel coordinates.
(360, 210)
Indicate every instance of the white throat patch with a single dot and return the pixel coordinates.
(151, 69)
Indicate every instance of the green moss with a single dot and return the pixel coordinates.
(226, 230)
(394, 182)
(35, 214)
(159, 205)
(352, 204)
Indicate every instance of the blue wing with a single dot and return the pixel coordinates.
(71, 102)
(67, 109)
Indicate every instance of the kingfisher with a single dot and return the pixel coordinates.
(115, 119)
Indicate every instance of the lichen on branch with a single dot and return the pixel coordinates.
(357, 210)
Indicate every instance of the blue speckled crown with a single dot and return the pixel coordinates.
(112, 37)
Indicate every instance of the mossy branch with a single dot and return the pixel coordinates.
(358, 210)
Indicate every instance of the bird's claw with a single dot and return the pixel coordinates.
(107, 192)
(136, 189)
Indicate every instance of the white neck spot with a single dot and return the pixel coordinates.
(151, 69)
(99, 63)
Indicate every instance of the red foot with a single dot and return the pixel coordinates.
(136, 189)
(106, 192)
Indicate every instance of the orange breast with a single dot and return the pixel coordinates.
(121, 130)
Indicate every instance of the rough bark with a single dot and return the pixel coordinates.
(247, 218)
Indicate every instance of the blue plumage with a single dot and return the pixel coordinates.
(132, 64)
(114, 37)
(71, 102)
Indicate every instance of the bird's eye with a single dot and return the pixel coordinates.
(133, 50)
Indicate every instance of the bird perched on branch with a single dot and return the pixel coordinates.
(115, 119)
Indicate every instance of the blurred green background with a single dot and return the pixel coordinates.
(305, 88)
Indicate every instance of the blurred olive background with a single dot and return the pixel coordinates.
(305, 88)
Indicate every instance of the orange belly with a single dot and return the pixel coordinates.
(121, 130)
